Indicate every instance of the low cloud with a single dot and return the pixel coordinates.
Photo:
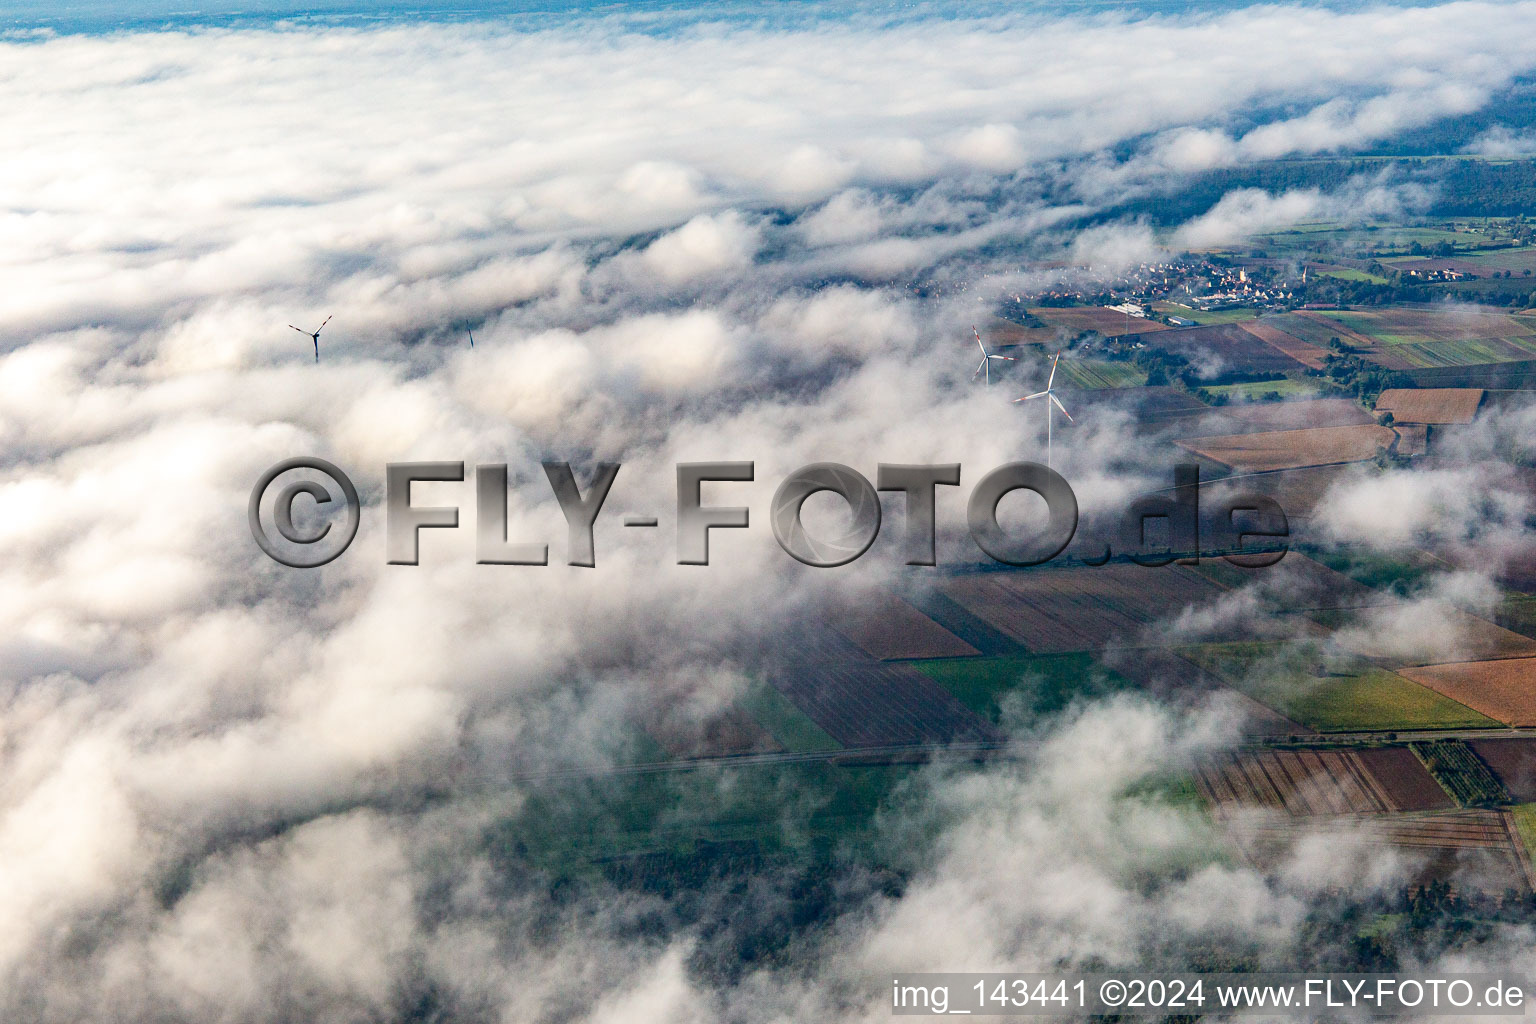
(234, 790)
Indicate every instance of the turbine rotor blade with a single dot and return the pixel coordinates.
(1008, 358)
(1052, 379)
(1057, 403)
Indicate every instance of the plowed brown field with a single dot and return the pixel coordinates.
(1503, 689)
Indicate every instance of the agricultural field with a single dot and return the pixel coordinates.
(1513, 760)
(1296, 490)
(1461, 352)
(790, 727)
(1293, 449)
(1256, 390)
(888, 629)
(875, 704)
(1226, 346)
(1304, 352)
(1460, 772)
(1312, 782)
(1306, 584)
(1483, 263)
(729, 732)
(1033, 685)
(1516, 260)
(1363, 699)
(1412, 439)
(1476, 638)
(1294, 414)
(1472, 637)
(1403, 325)
(1517, 374)
(1314, 329)
(1518, 613)
(1162, 672)
(1401, 338)
(1099, 374)
(1398, 573)
(1376, 238)
(1503, 689)
(1431, 405)
(1423, 266)
(1109, 322)
(635, 745)
(1408, 785)
(1002, 336)
(1458, 844)
(590, 826)
(1346, 273)
(1057, 610)
(1519, 576)
(1207, 317)
(1524, 818)
(1155, 404)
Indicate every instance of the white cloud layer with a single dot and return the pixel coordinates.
(670, 248)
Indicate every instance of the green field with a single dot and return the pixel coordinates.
(1405, 326)
(1375, 327)
(1098, 374)
(1525, 824)
(1206, 318)
(1287, 388)
(786, 723)
(639, 747)
(1287, 678)
(1460, 773)
(653, 823)
(1347, 274)
(1033, 684)
(1468, 352)
(1517, 613)
(1397, 572)
(1433, 338)
(1176, 788)
(568, 825)
(1384, 240)
(1482, 262)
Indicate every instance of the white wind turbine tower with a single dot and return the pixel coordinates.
(986, 358)
(1049, 394)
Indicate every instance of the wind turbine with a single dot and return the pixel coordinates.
(1049, 394)
(314, 335)
(986, 358)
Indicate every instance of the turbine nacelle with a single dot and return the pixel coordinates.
(985, 366)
